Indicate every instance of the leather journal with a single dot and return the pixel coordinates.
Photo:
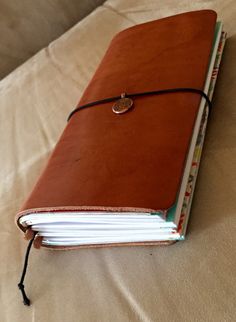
(124, 170)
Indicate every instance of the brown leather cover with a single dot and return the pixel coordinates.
(132, 161)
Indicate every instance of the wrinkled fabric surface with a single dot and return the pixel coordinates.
(26, 26)
(193, 280)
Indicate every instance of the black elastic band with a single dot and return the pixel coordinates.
(159, 92)
(21, 286)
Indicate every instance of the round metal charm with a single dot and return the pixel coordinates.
(122, 105)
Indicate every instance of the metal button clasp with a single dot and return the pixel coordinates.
(123, 104)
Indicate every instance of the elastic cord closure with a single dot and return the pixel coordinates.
(21, 286)
(133, 95)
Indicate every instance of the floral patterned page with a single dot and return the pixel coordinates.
(198, 149)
